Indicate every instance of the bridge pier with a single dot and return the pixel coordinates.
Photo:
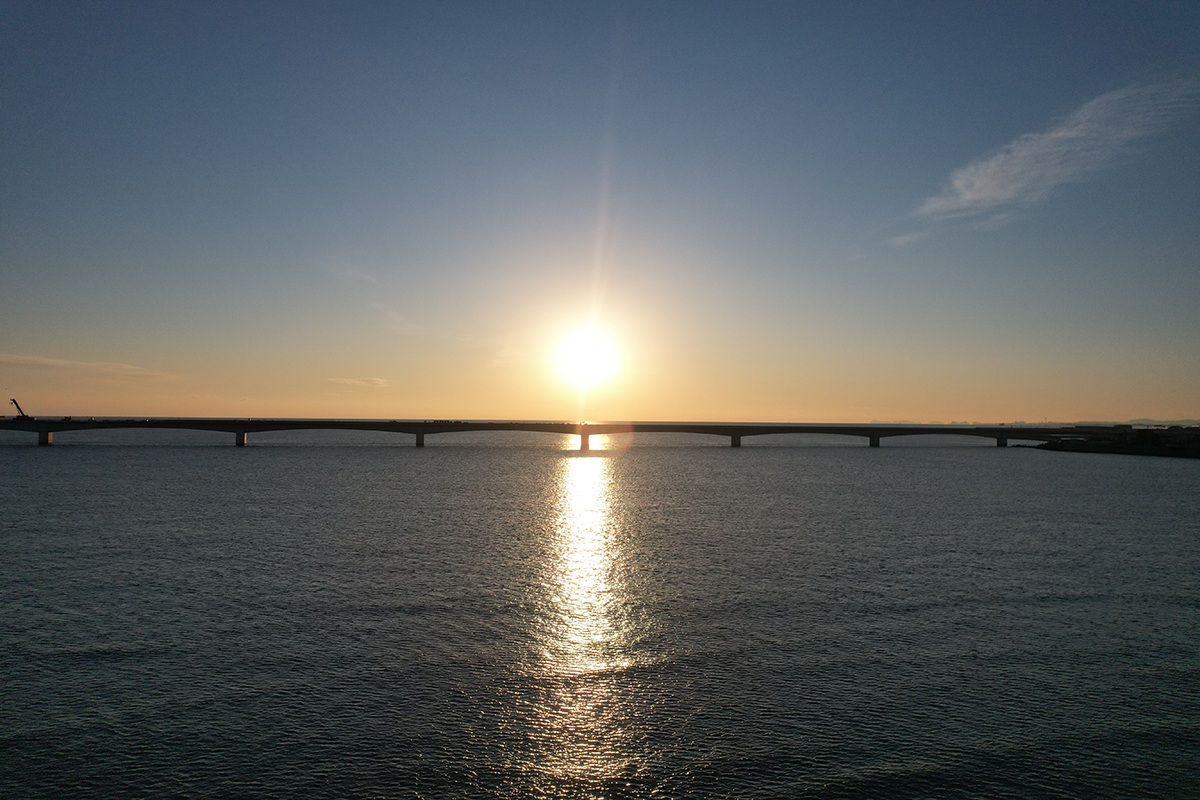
(420, 440)
(873, 441)
(45, 437)
(239, 438)
(735, 441)
(1001, 441)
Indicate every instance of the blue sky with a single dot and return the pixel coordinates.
(779, 211)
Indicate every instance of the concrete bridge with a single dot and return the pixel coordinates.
(46, 427)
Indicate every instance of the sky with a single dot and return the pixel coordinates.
(774, 211)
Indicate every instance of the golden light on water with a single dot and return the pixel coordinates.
(587, 358)
(582, 646)
(584, 592)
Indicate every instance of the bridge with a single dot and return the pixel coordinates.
(46, 427)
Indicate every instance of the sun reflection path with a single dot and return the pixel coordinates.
(584, 594)
(581, 720)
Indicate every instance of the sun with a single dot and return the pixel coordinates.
(587, 358)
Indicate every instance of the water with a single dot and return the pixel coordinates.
(333, 616)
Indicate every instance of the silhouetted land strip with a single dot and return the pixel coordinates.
(1173, 442)
(1083, 438)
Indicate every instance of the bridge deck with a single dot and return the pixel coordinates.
(46, 427)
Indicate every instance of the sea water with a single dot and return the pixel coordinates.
(347, 616)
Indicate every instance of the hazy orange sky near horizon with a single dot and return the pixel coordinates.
(788, 213)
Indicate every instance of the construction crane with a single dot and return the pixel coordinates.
(20, 414)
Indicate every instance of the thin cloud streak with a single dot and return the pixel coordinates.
(394, 320)
(374, 383)
(100, 369)
(907, 238)
(1026, 171)
(352, 273)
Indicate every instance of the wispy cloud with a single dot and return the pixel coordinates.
(394, 319)
(352, 273)
(375, 383)
(907, 238)
(506, 355)
(95, 369)
(1024, 172)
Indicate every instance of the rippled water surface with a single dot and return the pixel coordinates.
(323, 617)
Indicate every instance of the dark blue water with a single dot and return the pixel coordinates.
(317, 618)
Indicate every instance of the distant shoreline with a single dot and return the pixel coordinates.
(1151, 448)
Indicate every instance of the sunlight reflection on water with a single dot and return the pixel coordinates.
(584, 591)
(582, 717)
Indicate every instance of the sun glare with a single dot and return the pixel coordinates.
(587, 358)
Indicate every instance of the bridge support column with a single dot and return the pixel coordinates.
(873, 441)
(420, 440)
(584, 445)
(1001, 441)
(45, 437)
(735, 441)
(239, 438)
